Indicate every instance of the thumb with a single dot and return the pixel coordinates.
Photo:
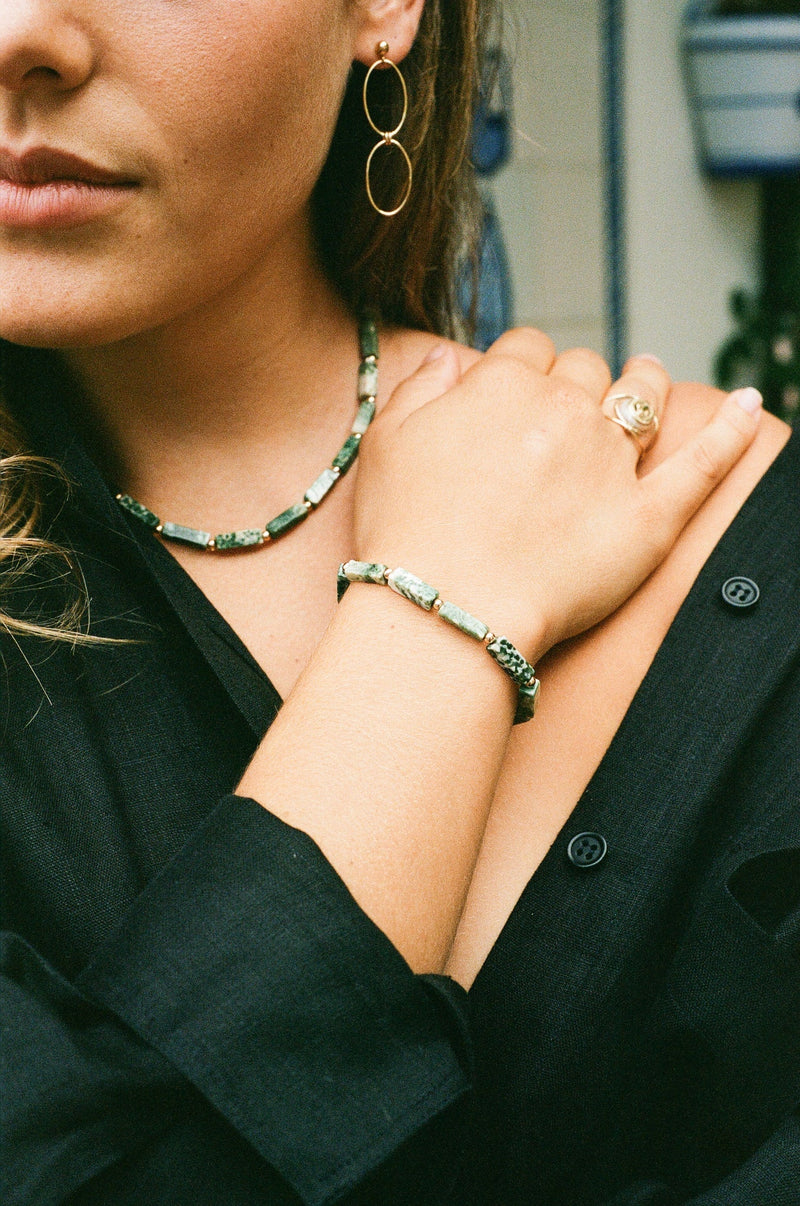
(439, 372)
(685, 479)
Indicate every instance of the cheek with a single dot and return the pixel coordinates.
(248, 133)
(231, 106)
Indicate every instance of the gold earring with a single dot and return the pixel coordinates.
(388, 137)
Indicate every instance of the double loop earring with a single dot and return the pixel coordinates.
(388, 138)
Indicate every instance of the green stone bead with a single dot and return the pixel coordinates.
(360, 571)
(511, 660)
(346, 454)
(322, 486)
(136, 508)
(413, 588)
(367, 380)
(176, 531)
(365, 571)
(287, 520)
(463, 621)
(527, 701)
(364, 416)
(238, 540)
(368, 339)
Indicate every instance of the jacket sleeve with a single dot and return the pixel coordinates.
(771, 1175)
(247, 992)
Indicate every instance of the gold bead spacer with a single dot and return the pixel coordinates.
(159, 528)
(265, 537)
(437, 603)
(489, 638)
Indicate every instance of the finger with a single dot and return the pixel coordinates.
(535, 349)
(584, 368)
(646, 380)
(676, 488)
(439, 372)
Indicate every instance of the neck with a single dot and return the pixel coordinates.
(268, 364)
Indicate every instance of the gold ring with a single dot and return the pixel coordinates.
(636, 416)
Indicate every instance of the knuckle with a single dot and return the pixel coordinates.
(643, 368)
(640, 387)
(704, 461)
(589, 357)
(524, 343)
(505, 374)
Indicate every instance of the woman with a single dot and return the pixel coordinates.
(218, 997)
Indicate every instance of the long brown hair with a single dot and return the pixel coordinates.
(405, 269)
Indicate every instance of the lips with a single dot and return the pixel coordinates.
(45, 166)
(44, 189)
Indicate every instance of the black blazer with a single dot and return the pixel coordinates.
(198, 1012)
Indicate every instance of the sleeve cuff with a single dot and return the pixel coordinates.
(248, 964)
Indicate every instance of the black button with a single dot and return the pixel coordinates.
(587, 850)
(741, 592)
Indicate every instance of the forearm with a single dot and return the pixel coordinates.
(387, 754)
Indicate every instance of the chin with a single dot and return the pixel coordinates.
(57, 331)
(64, 320)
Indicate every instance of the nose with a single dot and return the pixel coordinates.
(42, 47)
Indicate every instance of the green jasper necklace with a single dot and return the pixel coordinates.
(265, 534)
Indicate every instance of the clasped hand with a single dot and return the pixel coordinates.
(509, 489)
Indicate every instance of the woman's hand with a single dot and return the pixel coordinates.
(511, 492)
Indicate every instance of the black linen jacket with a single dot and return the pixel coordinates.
(198, 1012)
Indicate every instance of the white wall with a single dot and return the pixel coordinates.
(550, 199)
(690, 241)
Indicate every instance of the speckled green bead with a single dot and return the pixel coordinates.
(413, 588)
(368, 339)
(463, 621)
(287, 520)
(364, 571)
(364, 416)
(322, 486)
(511, 660)
(183, 535)
(367, 380)
(346, 454)
(360, 571)
(136, 508)
(527, 701)
(238, 540)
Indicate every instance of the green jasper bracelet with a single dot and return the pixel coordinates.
(319, 489)
(507, 656)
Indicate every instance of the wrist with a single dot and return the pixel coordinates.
(466, 583)
(401, 641)
(427, 599)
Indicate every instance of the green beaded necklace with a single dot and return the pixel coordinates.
(316, 492)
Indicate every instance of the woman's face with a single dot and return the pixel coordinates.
(202, 126)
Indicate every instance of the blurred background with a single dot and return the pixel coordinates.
(642, 169)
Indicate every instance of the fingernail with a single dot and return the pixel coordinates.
(436, 353)
(650, 357)
(749, 399)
